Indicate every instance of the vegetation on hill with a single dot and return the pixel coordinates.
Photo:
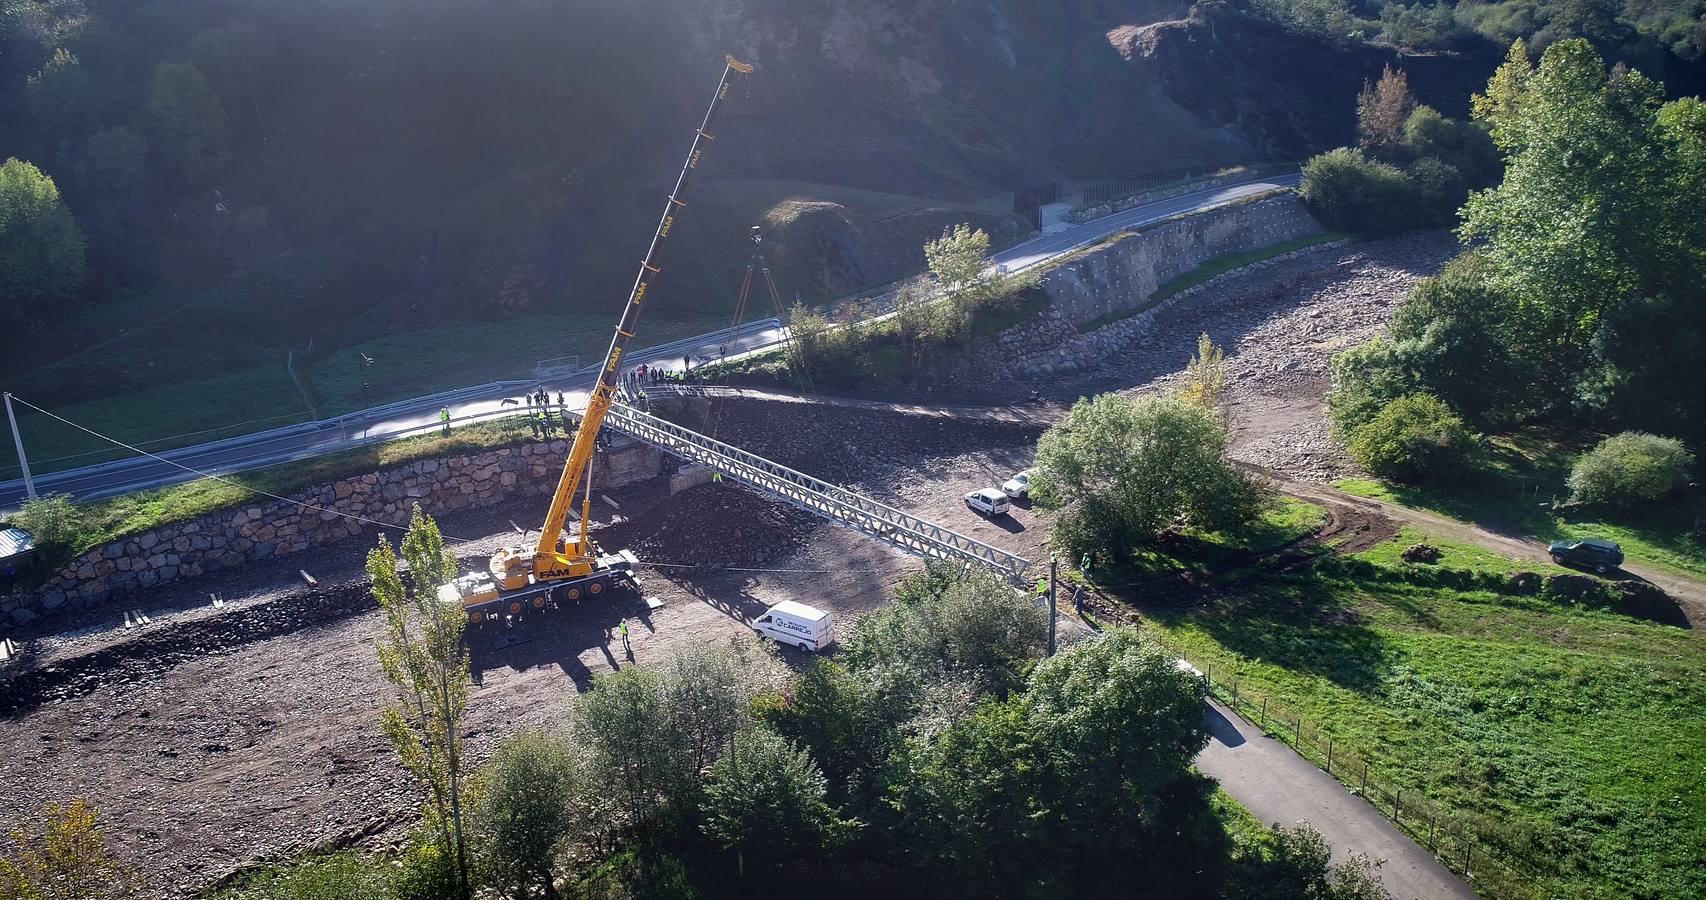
(1578, 308)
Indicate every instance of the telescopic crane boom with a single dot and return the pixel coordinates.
(551, 560)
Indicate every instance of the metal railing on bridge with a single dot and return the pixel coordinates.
(814, 495)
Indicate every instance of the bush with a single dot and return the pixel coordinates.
(1629, 468)
(766, 792)
(1125, 468)
(1440, 191)
(968, 628)
(1414, 438)
(1358, 194)
(52, 519)
(521, 811)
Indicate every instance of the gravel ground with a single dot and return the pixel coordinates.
(212, 739)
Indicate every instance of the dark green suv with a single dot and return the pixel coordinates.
(1591, 553)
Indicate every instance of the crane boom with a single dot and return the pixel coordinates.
(575, 558)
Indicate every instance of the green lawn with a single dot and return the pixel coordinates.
(1573, 741)
(1524, 474)
(1455, 555)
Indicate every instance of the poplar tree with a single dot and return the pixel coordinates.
(424, 659)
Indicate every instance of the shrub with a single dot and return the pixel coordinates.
(52, 519)
(1365, 379)
(1440, 191)
(1355, 193)
(521, 811)
(1414, 438)
(1630, 467)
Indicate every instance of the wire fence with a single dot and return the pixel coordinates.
(1451, 838)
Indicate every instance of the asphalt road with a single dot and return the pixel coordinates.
(293, 442)
(1280, 787)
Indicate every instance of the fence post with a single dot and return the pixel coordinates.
(1329, 756)
(1433, 821)
(1264, 711)
(1468, 852)
(1208, 677)
(1364, 790)
(1297, 735)
(1397, 807)
(1234, 695)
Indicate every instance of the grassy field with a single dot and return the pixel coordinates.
(1454, 554)
(1573, 741)
(405, 365)
(1525, 473)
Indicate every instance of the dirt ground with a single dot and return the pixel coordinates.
(211, 739)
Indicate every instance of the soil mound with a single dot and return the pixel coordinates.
(715, 526)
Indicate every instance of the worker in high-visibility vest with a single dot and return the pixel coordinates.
(444, 418)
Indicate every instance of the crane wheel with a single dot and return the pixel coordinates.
(596, 587)
(539, 602)
(573, 593)
(475, 618)
(515, 608)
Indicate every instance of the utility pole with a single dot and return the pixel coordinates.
(1053, 574)
(18, 439)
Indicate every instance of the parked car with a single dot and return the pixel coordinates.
(1018, 486)
(1590, 553)
(796, 625)
(988, 501)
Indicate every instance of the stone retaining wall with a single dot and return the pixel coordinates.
(1125, 274)
(235, 537)
(1053, 343)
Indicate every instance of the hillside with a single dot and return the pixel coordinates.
(385, 166)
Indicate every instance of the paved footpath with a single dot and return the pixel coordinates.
(1278, 786)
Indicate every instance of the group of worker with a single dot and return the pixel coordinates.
(539, 413)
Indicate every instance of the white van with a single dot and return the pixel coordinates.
(989, 501)
(796, 625)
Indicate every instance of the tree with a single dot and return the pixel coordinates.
(184, 123)
(1382, 109)
(764, 791)
(966, 276)
(41, 247)
(1205, 376)
(1465, 343)
(424, 659)
(522, 815)
(61, 97)
(1295, 863)
(1413, 438)
(1628, 468)
(1577, 226)
(62, 856)
(650, 735)
(1124, 468)
(1465, 146)
(849, 722)
(968, 628)
(1002, 797)
(1119, 723)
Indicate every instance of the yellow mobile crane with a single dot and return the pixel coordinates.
(557, 569)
